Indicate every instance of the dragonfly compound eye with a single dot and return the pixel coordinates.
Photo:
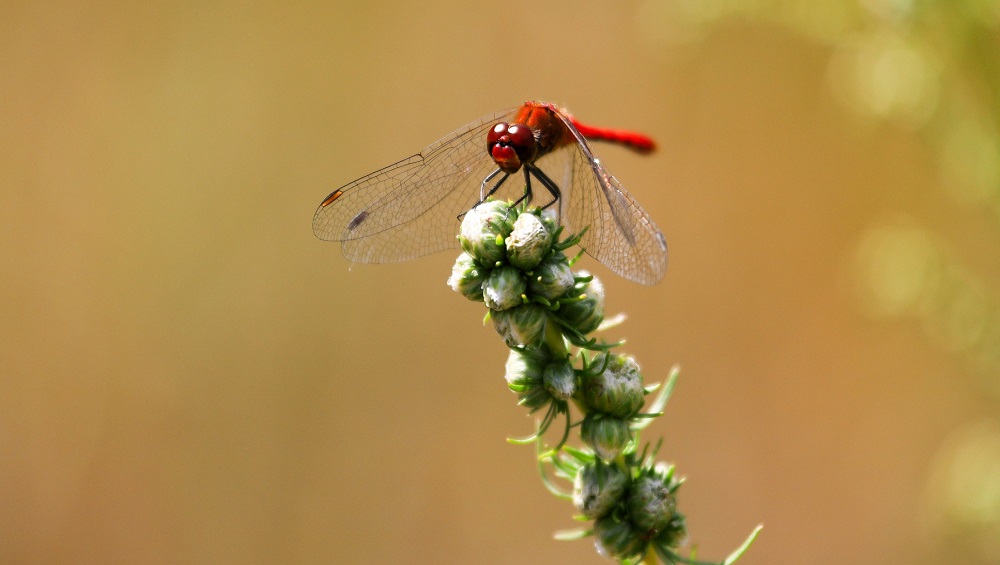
(496, 133)
(510, 145)
(523, 140)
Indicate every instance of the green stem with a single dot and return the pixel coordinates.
(554, 340)
(651, 558)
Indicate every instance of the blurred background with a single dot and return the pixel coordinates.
(188, 376)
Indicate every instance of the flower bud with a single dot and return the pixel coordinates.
(523, 369)
(617, 539)
(651, 506)
(483, 231)
(606, 435)
(529, 242)
(584, 315)
(559, 379)
(503, 288)
(524, 376)
(598, 488)
(467, 278)
(552, 278)
(617, 390)
(550, 217)
(675, 533)
(521, 325)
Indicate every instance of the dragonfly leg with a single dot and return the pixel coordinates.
(482, 188)
(483, 195)
(551, 186)
(548, 183)
(527, 189)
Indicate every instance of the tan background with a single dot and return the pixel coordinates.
(188, 376)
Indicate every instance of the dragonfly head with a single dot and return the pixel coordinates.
(511, 145)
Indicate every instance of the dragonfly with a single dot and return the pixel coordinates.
(409, 209)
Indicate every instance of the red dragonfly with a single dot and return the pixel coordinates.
(408, 209)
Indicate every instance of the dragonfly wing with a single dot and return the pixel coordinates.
(622, 236)
(409, 209)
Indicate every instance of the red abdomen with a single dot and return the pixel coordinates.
(551, 131)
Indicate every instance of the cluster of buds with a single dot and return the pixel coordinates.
(513, 260)
(634, 506)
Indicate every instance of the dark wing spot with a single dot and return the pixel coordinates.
(361, 217)
(329, 199)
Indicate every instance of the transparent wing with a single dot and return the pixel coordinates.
(621, 234)
(409, 209)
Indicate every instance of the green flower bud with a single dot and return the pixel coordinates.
(484, 229)
(503, 288)
(552, 278)
(529, 242)
(549, 218)
(559, 380)
(467, 278)
(584, 315)
(675, 533)
(598, 488)
(524, 376)
(606, 435)
(651, 506)
(617, 390)
(524, 370)
(617, 538)
(522, 325)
